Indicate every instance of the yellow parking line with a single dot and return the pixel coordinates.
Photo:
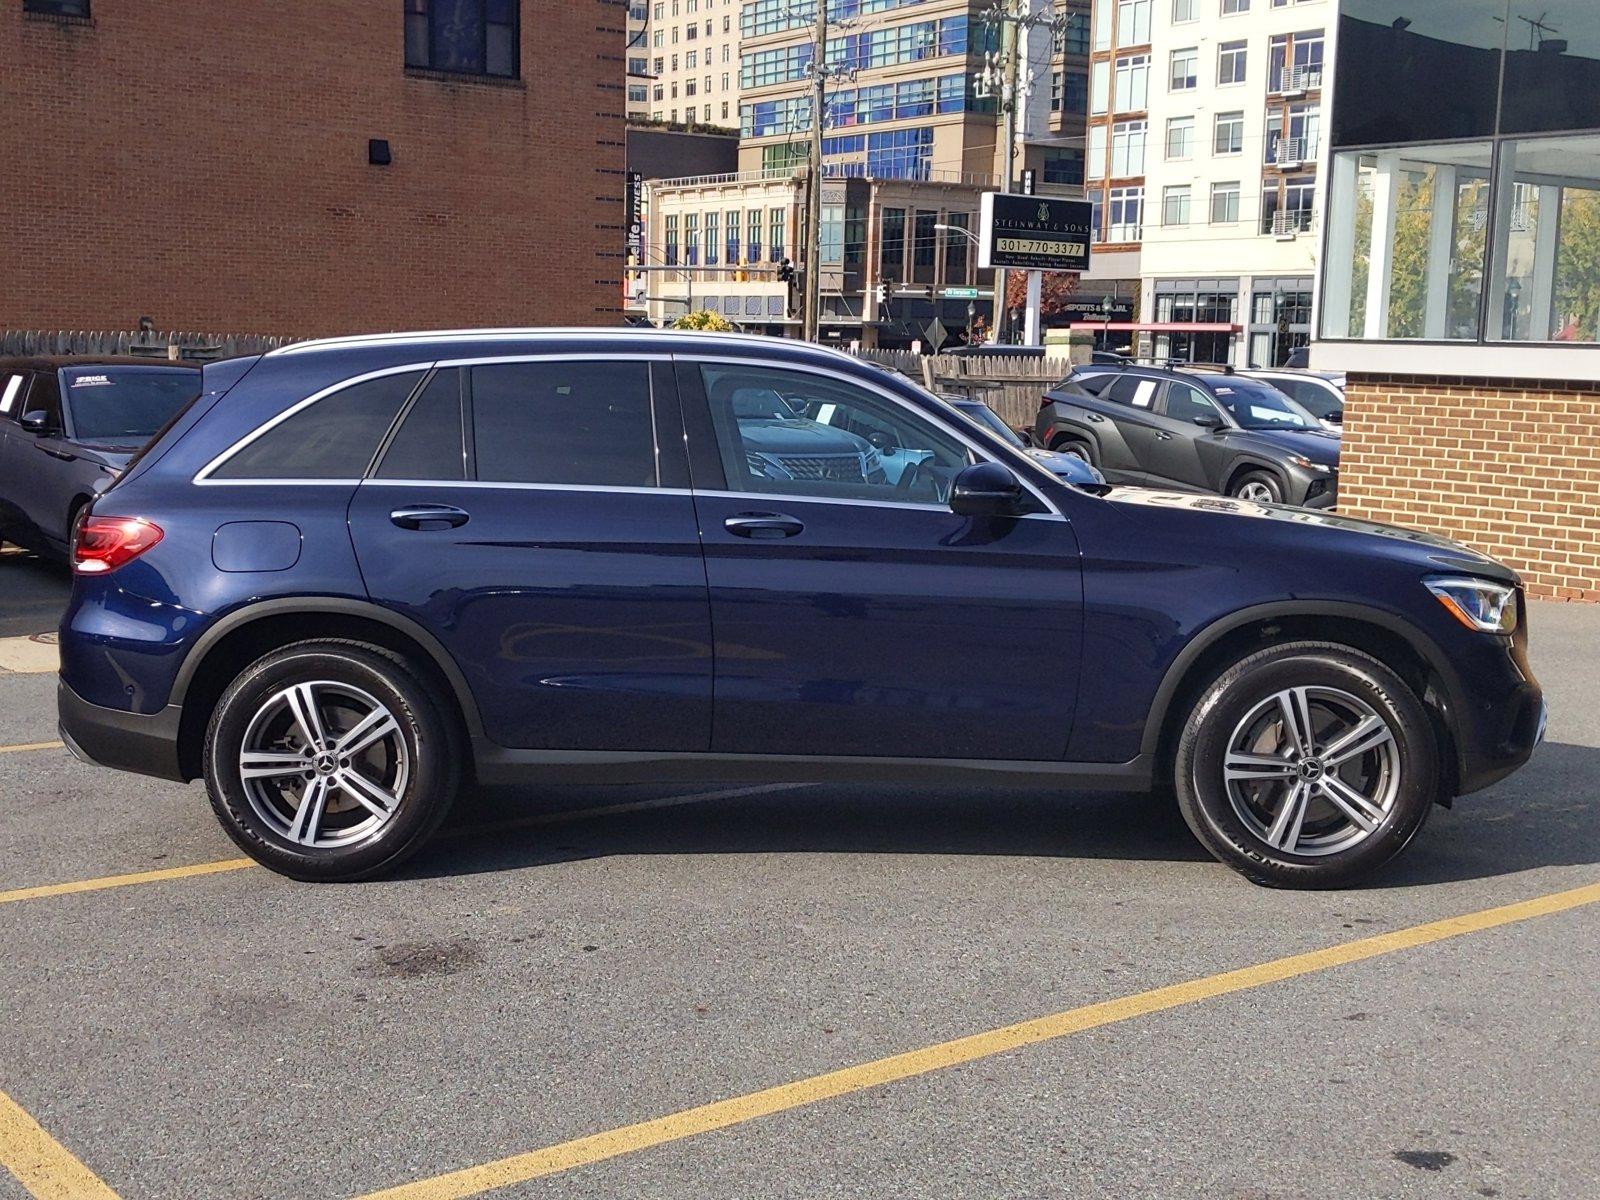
(723, 1114)
(41, 1164)
(31, 746)
(116, 881)
(44, 891)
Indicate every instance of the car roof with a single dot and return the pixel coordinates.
(51, 362)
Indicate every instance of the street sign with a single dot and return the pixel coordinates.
(960, 293)
(1034, 233)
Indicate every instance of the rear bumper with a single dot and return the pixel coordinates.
(124, 741)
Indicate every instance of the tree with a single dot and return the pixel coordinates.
(1577, 299)
(1059, 287)
(705, 321)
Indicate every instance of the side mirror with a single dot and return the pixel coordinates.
(986, 489)
(1211, 422)
(36, 422)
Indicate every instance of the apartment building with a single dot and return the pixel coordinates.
(1204, 147)
(683, 61)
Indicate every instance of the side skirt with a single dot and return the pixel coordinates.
(499, 765)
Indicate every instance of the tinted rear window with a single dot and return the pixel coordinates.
(564, 423)
(123, 404)
(335, 438)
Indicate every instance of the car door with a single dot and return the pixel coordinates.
(12, 385)
(854, 613)
(41, 463)
(1177, 453)
(1136, 399)
(534, 516)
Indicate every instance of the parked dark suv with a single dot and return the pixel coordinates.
(1202, 430)
(68, 426)
(357, 574)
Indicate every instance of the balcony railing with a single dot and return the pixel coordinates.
(1298, 80)
(1287, 223)
(1291, 152)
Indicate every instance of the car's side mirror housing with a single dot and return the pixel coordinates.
(1214, 421)
(36, 422)
(986, 489)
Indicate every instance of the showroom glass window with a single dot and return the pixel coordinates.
(469, 37)
(1464, 204)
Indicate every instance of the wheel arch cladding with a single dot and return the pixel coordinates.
(244, 636)
(1404, 649)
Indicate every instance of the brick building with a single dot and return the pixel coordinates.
(221, 166)
(1460, 285)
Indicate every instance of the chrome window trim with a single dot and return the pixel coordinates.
(872, 388)
(484, 484)
(203, 476)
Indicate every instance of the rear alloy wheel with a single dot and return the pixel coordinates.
(330, 761)
(1260, 487)
(1307, 765)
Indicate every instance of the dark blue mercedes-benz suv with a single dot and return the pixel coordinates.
(355, 575)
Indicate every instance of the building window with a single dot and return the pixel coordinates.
(1175, 205)
(1056, 87)
(1185, 70)
(1231, 62)
(1180, 137)
(472, 37)
(752, 246)
(892, 259)
(1077, 37)
(1233, 7)
(1225, 203)
(924, 247)
(1125, 214)
(775, 225)
(672, 242)
(1230, 133)
(58, 8)
(1064, 167)
(713, 232)
(1076, 98)
(956, 246)
(901, 154)
(1133, 84)
(1185, 10)
(691, 238)
(1133, 22)
(1127, 149)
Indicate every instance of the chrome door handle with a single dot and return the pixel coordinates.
(425, 517)
(1094, 416)
(763, 526)
(1163, 437)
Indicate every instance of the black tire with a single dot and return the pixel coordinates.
(1078, 449)
(432, 772)
(1209, 807)
(1252, 480)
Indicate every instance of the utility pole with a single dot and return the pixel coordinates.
(1009, 41)
(813, 266)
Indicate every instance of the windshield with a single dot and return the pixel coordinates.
(982, 414)
(125, 403)
(1254, 405)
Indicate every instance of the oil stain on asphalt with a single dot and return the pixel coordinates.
(419, 960)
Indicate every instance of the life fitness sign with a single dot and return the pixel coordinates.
(1033, 233)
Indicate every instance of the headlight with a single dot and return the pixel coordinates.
(1300, 460)
(1477, 603)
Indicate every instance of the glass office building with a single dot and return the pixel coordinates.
(1464, 192)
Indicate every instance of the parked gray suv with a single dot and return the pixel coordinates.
(68, 427)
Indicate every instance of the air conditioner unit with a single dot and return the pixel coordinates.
(1285, 225)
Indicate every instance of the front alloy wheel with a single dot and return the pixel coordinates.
(1306, 765)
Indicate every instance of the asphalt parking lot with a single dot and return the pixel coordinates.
(793, 992)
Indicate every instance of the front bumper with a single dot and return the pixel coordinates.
(125, 741)
(1321, 492)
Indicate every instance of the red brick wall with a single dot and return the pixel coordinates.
(1510, 468)
(205, 163)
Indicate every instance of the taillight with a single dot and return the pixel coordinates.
(106, 543)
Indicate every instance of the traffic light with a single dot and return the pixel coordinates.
(786, 271)
(884, 292)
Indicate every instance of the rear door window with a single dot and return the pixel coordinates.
(573, 423)
(1135, 391)
(334, 438)
(429, 444)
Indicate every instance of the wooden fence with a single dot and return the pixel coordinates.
(142, 343)
(1010, 384)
